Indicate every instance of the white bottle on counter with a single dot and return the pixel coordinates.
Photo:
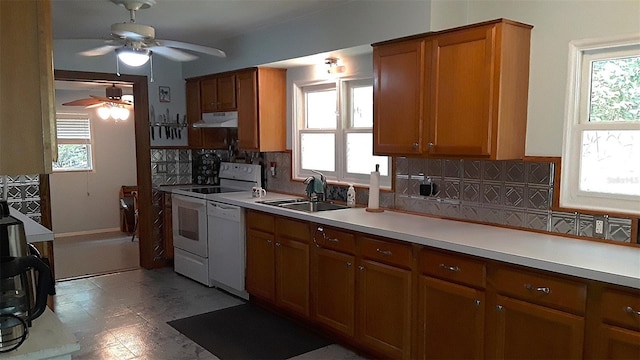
(351, 196)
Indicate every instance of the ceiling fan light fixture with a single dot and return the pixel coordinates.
(133, 56)
(104, 112)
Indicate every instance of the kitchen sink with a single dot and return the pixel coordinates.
(305, 205)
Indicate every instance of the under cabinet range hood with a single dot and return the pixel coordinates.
(218, 119)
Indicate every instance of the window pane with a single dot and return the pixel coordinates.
(360, 158)
(318, 152)
(362, 107)
(615, 90)
(610, 162)
(73, 157)
(321, 109)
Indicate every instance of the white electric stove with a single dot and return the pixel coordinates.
(208, 235)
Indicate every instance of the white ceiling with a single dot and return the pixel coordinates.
(203, 22)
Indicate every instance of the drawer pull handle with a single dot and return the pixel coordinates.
(277, 244)
(544, 290)
(450, 268)
(384, 252)
(361, 268)
(630, 310)
(324, 235)
(348, 264)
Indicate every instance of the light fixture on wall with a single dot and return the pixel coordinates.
(333, 68)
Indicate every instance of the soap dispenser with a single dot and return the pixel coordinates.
(351, 196)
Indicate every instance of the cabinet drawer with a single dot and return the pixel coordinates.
(453, 267)
(385, 251)
(293, 229)
(548, 290)
(621, 308)
(260, 221)
(334, 239)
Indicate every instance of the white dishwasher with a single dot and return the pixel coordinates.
(226, 238)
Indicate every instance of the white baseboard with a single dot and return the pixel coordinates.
(86, 232)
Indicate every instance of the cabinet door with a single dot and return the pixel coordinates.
(292, 275)
(384, 309)
(528, 331)
(619, 343)
(226, 93)
(209, 95)
(334, 290)
(398, 98)
(452, 318)
(27, 104)
(193, 113)
(462, 81)
(260, 275)
(215, 138)
(248, 131)
(218, 93)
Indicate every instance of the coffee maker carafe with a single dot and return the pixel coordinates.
(21, 298)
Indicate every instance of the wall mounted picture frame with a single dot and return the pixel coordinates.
(164, 93)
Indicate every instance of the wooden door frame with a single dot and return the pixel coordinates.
(143, 156)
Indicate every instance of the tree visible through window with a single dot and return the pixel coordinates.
(601, 156)
(74, 143)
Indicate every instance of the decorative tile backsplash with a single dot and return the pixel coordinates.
(23, 194)
(170, 166)
(513, 193)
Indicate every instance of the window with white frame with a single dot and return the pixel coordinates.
(333, 132)
(601, 152)
(74, 142)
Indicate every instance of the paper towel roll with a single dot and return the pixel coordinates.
(374, 190)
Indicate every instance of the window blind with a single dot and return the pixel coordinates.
(73, 128)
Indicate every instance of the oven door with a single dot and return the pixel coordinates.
(189, 220)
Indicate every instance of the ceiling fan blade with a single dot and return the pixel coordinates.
(172, 54)
(101, 50)
(105, 99)
(82, 102)
(192, 47)
(95, 105)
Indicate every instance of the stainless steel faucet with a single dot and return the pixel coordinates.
(323, 179)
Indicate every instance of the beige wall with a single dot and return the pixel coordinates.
(555, 24)
(88, 201)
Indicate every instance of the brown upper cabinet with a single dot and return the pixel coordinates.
(458, 93)
(262, 109)
(218, 93)
(202, 138)
(259, 97)
(27, 105)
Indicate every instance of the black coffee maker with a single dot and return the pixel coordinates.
(22, 298)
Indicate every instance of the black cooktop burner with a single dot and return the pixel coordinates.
(213, 190)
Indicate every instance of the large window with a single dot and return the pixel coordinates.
(601, 154)
(333, 132)
(74, 142)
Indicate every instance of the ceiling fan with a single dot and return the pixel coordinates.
(113, 96)
(134, 43)
(112, 105)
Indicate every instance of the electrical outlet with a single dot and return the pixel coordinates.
(599, 226)
(162, 169)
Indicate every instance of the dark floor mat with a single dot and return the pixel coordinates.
(248, 332)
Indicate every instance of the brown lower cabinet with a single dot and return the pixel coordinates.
(396, 300)
(277, 269)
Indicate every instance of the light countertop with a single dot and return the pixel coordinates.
(34, 231)
(48, 339)
(582, 258)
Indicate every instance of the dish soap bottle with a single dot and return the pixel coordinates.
(351, 196)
